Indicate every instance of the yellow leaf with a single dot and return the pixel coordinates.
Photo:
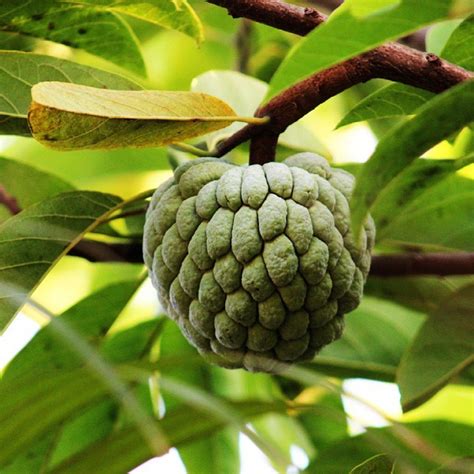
(69, 116)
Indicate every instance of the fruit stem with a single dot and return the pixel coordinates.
(186, 147)
(263, 148)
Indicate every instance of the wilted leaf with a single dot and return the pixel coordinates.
(32, 241)
(436, 120)
(68, 116)
(98, 32)
(442, 348)
(20, 71)
(164, 13)
(353, 28)
(379, 464)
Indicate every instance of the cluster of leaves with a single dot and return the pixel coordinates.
(99, 406)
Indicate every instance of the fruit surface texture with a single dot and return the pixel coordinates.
(257, 265)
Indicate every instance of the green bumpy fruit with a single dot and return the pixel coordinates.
(257, 264)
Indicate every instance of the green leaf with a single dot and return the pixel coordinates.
(244, 94)
(164, 13)
(436, 120)
(353, 28)
(421, 293)
(132, 343)
(31, 460)
(20, 71)
(27, 184)
(389, 101)
(444, 438)
(401, 195)
(94, 422)
(35, 239)
(32, 408)
(91, 425)
(442, 348)
(126, 449)
(90, 319)
(214, 454)
(399, 99)
(98, 32)
(326, 423)
(428, 220)
(219, 452)
(460, 47)
(69, 116)
(378, 464)
(437, 35)
(376, 335)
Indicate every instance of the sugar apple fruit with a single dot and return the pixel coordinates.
(257, 264)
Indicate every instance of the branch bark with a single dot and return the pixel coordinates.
(405, 264)
(391, 265)
(392, 61)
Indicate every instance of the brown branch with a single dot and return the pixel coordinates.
(391, 265)
(461, 263)
(95, 251)
(392, 61)
(263, 148)
(274, 13)
(405, 264)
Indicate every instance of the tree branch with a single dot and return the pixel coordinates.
(392, 61)
(274, 13)
(391, 265)
(405, 264)
(95, 251)
(461, 263)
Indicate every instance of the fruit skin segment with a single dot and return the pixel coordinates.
(257, 265)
